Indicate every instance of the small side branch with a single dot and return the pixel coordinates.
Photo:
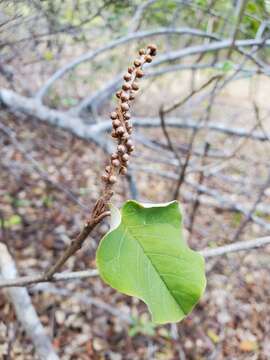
(207, 253)
(37, 279)
(77, 243)
(236, 247)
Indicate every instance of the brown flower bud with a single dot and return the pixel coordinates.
(129, 129)
(127, 77)
(131, 148)
(127, 115)
(118, 94)
(139, 73)
(125, 107)
(137, 62)
(126, 86)
(142, 51)
(129, 143)
(152, 48)
(135, 86)
(112, 179)
(148, 58)
(125, 136)
(114, 115)
(125, 157)
(120, 130)
(124, 96)
(107, 169)
(114, 156)
(130, 70)
(123, 170)
(113, 134)
(116, 123)
(121, 149)
(116, 162)
(104, 177)
(132, 95)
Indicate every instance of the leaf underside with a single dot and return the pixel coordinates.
(145, 255)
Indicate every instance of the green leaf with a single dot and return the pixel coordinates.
(48, 55)
(142, 326)
(145, 255)
(227, 66)
(12, 221)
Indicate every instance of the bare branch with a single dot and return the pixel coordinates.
(181, 102)
(196, 203)
(240, 8)
(222, 250)
(177, 55)
(236, 247)
(16, 103)
(121, 130)
(168, 109)
(34, 279)
(253, 209)
(24, 309)
(133, 36)
(97, 215)
(213, 198)
(28, 106)
(95, 100)
(137, 18)
(189, 124)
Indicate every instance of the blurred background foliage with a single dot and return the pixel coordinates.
(44, 35)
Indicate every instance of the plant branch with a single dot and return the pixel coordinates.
(236, 247)
(77, 243)
(16, 103)
(24, 309)
(121, 130)
(65, 276)
(34, 279)
(177, 55)
(130, 37)
(196, 203)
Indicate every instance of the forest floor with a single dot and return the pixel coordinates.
(89, 320)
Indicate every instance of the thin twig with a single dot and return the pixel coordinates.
(121, 130)
(253, 209)
(208, 252)
(126, 39)
(183, 169)
(196, 203)
(35, 279)
(181, 102)
(168, 109)
(97, 215)
(241, 4)
(23, 105)
(167, 136)
(236, 247)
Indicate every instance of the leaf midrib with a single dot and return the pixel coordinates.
(149, 259)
